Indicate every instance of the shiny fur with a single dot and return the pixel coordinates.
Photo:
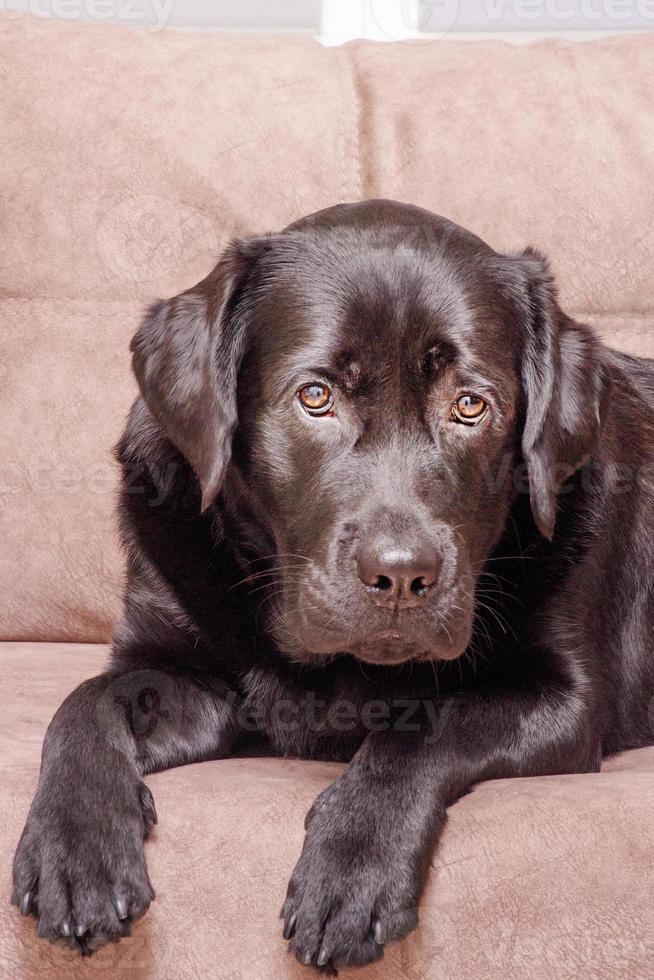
(244, 520)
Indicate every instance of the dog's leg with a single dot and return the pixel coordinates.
(80, 867)
(370, 835)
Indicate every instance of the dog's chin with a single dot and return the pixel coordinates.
(310, 641)
(390, 647)
(385, 648)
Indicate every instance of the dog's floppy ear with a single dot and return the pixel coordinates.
(186, 355)
(566, 389)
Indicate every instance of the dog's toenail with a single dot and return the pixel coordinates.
(289, 928)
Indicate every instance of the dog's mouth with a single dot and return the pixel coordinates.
(311, 631)
(390, 647)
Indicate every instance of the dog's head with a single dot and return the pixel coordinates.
(364, 384)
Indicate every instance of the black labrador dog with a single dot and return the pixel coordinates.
(382, 502)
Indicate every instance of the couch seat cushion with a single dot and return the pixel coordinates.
(539, 878)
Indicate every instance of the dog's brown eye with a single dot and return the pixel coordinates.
(316, 398)
(469, 409)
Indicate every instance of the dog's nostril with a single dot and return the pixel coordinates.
(419, 585)
(396, 573)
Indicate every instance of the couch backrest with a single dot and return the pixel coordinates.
(128, 158)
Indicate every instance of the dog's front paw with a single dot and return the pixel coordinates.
(354, 888)
(80, 867)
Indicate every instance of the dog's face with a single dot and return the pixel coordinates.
(378, 408)
(380, 373)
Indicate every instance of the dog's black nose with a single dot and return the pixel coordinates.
(397, 573)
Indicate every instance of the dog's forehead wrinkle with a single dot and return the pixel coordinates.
(368, 313)
(335, 263)
(404, 289)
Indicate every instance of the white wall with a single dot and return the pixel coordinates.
(337, 20)
(510, 19)
(248, 15)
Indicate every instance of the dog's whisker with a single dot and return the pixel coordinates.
(276, 556)
(485, 561)
(268, 572)
(272, 584)
(502, 622)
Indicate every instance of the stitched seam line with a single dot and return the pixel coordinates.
(343, 134)
(349, 52)
(626, 315)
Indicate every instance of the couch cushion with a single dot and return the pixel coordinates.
(546, 878)
(128, 159)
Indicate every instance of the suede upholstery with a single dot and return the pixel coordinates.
(544, 879)
(127, 160)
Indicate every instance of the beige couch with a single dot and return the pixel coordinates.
(126, 161)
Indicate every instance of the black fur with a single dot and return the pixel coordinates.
(511, 637)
